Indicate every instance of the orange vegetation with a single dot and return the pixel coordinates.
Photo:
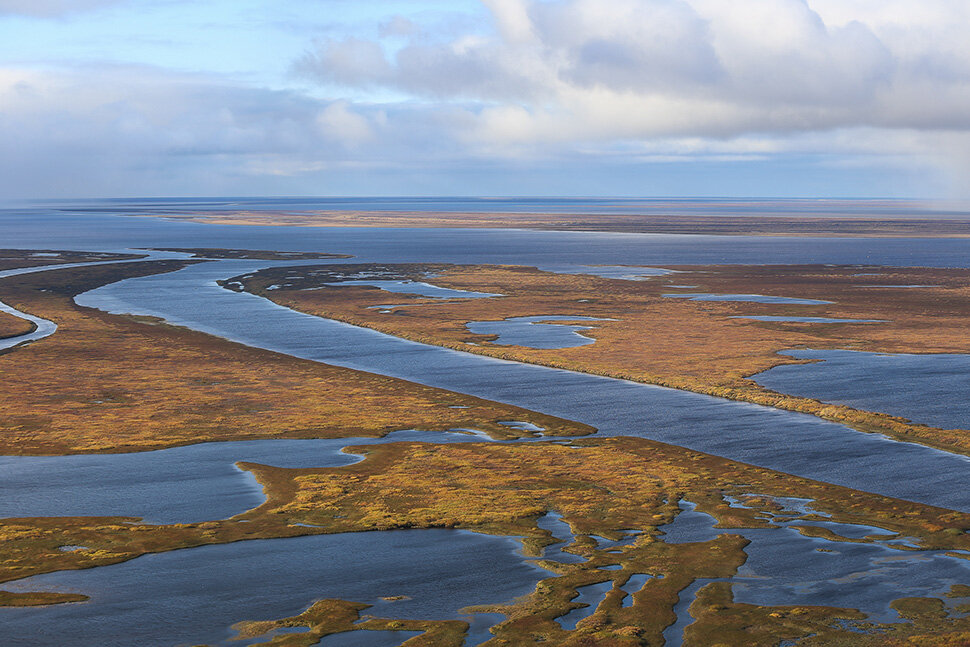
(11, 326)
(104, 383)
(689, 345)
(662, 222)
(600, 486)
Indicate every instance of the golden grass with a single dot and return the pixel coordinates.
(683, 344)
(104, 383)
(11, 326)
(600, 486)
(848, 225)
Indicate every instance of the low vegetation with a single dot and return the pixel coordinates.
(660, 222)
(135, 384)
(690, 345)
(11, 326)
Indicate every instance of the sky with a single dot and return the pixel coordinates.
(772, 98)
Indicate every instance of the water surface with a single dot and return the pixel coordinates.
(936, 386)
(193, 596)
(793, 443)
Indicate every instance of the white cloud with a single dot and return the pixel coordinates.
(50, 8)
(648, 67)
(567, 82)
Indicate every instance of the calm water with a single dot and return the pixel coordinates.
(97, 229)
(792, 443)
(209, 588)
(195, 595)
(787, 568)
(534, 332)
(936, 386)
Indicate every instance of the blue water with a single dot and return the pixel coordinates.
(590, 595)
(786, 568)
(749, 298)
(534, 332)
(633, 585)
(193, 596)
(936, 386)
(792, 443)
(178, 485)
(419, 288)
(520, 204)
(39, 227)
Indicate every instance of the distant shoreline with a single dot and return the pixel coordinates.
(848, 226)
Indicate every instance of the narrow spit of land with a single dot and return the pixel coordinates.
(136, 384)
(697, 346)
(846, 225)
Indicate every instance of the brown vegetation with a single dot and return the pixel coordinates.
(11, 326)
(690, 345)
(16, 258)
(104, 383)
(601, 487)
(250, 254)
(662, 221)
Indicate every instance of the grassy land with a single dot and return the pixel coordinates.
(11, 326)
(661, 222)
(600, 486)
(695, 346)
(136, 385)
(15, 258)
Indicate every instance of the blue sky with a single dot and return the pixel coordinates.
(494, 97)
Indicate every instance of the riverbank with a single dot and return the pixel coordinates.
(137, 384)
(700, 346)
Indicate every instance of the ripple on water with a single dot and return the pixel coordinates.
(535, 331)
(194, 595)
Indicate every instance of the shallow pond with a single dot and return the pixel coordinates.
(178, 485)
(535, 332)
(937, 386)
(416, 287)
(193, 596)
(785, 567)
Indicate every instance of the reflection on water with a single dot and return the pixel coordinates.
(785, 567)
(937, 386)
(798, 444)
(590, 595)
(415, 287)
(534, 332)
(178, 485)
(195, 595)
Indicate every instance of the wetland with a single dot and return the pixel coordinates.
(309, 469)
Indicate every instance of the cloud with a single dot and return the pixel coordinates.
(50, 8)
(593, 89)
(643, 68)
